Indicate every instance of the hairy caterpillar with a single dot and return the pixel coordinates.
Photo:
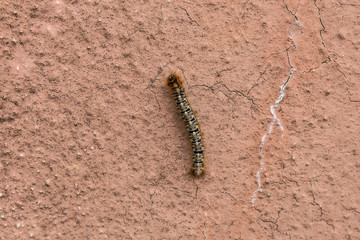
(175, 82)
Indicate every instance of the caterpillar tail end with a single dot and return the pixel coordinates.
(198, 172)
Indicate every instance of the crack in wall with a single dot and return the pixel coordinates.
(352, 209)
(203, 232)
(275, 222)
(196, 190)
(159, 71)
(315, 203)
(226, 193)
(349, 85)
(313, 69)
(276, 120)
(353, 101)
(294, 14)
(218, 73)
(256, 81)
(229, 230)
(322, 25)
(212, 88)
(243, 95)
(161, 18)
(187, 13)
(323, 30)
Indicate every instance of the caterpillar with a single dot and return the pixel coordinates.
(175, 82)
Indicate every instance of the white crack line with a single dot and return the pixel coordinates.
(203, 232)
(275, 119)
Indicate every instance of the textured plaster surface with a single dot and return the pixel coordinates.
(92, 145)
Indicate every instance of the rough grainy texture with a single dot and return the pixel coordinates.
(92, 147)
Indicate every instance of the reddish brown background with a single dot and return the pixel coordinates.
(92, 145)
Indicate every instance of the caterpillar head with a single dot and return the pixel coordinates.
(174, 80)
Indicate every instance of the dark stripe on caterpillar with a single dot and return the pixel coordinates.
(175, 82)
